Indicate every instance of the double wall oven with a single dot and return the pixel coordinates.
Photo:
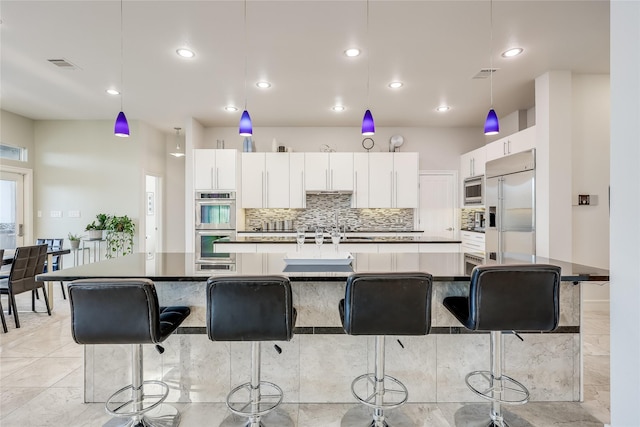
(215, 221)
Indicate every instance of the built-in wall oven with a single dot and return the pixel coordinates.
(206, 250)
(470, 261)
(473, 190)
(215, 210)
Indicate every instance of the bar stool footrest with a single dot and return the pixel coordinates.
(367, 381)
(116, 404)
(266, 403)
(501, 386)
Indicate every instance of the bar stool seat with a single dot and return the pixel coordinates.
(523, 298)
(383, 304)
(126, 311)
(255, 309)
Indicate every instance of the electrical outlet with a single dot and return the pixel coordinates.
(73, 214)
(39, 214)
(55, 214)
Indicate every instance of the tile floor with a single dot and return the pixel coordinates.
(41, 384)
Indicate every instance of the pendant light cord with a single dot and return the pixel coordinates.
(121, 58)
(491, 49)
(368, 54)
(246, 48)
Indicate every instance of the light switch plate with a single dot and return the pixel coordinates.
(55, 214)
(73, 214)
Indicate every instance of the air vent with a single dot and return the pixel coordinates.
(485, 73)
(63, 63)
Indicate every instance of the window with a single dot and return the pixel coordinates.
(10, 152)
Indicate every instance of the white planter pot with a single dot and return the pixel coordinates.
(95, 234)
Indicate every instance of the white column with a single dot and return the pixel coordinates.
(625, 213)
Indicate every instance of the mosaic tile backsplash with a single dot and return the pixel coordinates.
(467, 218)
(321, 212)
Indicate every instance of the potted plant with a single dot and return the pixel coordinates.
(120, 231)
(74, 240)
(96, 229)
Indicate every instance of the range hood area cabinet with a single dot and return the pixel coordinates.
(393, 180)
(214, 169)
(265, 180)
(516, 143)
(328, 171)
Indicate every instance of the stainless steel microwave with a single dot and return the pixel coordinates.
(474, 190)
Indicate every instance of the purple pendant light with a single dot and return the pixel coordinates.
(491, 124)
(246, 127)
(121, 127)
(368, 126)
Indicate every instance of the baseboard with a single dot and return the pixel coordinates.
(596, 305)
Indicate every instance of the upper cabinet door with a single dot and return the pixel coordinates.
(341, 171)
(253, 180)
(316, 171)
(472, 163)
(226, 169)
(405, 180)
(512, 144)
(204, 164)
(297, 195)
(360, 197)
(381, 180)
(277, 180)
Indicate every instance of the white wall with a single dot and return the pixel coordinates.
(625, 208)
(439, 148)
(17, 131)
(590, 159)
(174, 200)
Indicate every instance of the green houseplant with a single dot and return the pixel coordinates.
(96, 229)
(120, 232)
(74, 240)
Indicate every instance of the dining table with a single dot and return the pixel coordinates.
(7, 259)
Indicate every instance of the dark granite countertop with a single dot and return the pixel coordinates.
(176, 267)
(352, 239)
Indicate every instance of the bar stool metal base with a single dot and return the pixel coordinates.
(497, 389)
(369, 380)
(276, 418)
(265, 402)
(361, 416)
(161, 416)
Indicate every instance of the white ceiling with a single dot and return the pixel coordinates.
(434, 47)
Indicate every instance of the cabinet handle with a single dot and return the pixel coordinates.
(396, 189)
(331, 179)
(217, 177)
(326, 179)
(504, 148)
(304, 199)
(213, 179)
(391, 192)
(470, 166)
(355, 189)
(509, 146)
(266, 191)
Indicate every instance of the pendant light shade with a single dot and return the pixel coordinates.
(246, 128)
(368, 126)
(121, 127)
(491, 125)
(178, 152)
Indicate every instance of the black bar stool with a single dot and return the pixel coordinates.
(506, 298)
(383, 304)
(252, 308)
(126, 311)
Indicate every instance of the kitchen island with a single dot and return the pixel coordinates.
(320, 362)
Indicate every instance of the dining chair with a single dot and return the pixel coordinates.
(28, 262)
(53, 244)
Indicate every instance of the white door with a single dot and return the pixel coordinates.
(11, 210)
(437, 213)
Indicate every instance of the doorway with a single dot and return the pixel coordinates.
(437, 215)
(153, 216)
(12, 210)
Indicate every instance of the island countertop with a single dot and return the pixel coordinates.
(181, 267)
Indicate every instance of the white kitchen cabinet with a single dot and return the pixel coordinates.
(328, 171)
(215, 169)
(360, 197)
(515, 143)
(393, 180)
(297, 195)
(472, 163)
(265, 180)
(472, 241)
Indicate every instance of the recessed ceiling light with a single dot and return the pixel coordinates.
(352, 52)
(512, 52)
(442, 108)
(112, 92)
(263, 85)
(395, 85)
(230, 108)
(185, 53)
(338, 108)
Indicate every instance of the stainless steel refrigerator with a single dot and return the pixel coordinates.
(510, 223)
